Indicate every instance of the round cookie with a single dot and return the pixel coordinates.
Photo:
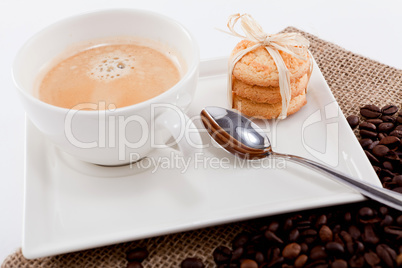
(264, 110)
(257, 67)
(269, 95)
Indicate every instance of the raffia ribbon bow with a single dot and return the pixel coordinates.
(291, 43)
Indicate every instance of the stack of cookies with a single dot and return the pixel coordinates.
(255, 82)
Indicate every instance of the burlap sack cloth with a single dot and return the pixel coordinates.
(354, 81)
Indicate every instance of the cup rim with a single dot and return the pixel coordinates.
(192, 68)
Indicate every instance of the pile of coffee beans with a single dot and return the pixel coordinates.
(136, 256)
(355, 235)
(366, 234)
(192, 263)
(380, 132)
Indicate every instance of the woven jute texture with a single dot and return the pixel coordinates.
(354, 81)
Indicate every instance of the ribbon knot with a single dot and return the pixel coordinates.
(266, 41)
(291, 43)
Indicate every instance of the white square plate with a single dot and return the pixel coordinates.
(70, 205)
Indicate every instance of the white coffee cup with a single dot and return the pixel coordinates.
(116, 136)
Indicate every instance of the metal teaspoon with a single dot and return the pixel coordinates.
(243, 138)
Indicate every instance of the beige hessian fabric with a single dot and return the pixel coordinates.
(354, 81)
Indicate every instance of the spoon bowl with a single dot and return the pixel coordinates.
(238, 135)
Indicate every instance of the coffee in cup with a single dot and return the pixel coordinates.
(98, 132)
(119, 72)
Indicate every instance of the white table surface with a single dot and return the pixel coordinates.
(369, 28)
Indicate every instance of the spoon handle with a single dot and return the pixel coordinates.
(382, 195)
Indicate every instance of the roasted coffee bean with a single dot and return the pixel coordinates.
(288, 224)
(383, 210)
(302, 225)
(386, 179)
(386, 173)
(356, 261)
(389, 109)
(388, 220)
(275, 257)
(291, 251)
(381, 136)
(237, 253)
(309, 235)
(391, 142)
(396, 133)
(338, 239)
(365, 142)
(301, 261)
(394, 230)
(273, 237)
(304, 247)
(386, 254)
(370, 111)
(240, 240)
(256, 238)
(339, 264)
(399, 119)
(372, 258)
(380, 150)
(347, 238)
(367, 126)
(325, 234)
(248, 264)
(353, 121)
(318, 252)
(259, 257)
(354, 232)
(137, 254)
(399, 222)
(397, 180)
(376, 121)
(192, 263)
(391, 156)
(134, 264)
(387, 118)
(336, 228)
(294, 235)
(398, 127)
(374, 144)
(334, 248)
(321, 220)
(368, 134)
(359, 248)
(377, 170)
(372, 158)
(369, 236)
(386, 127)
(388, 165)
(222, 254)
(309, 232)
(275, 262)
(366, 213)
(274, 226)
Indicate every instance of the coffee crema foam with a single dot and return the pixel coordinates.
(112, 66)
(117, 75)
